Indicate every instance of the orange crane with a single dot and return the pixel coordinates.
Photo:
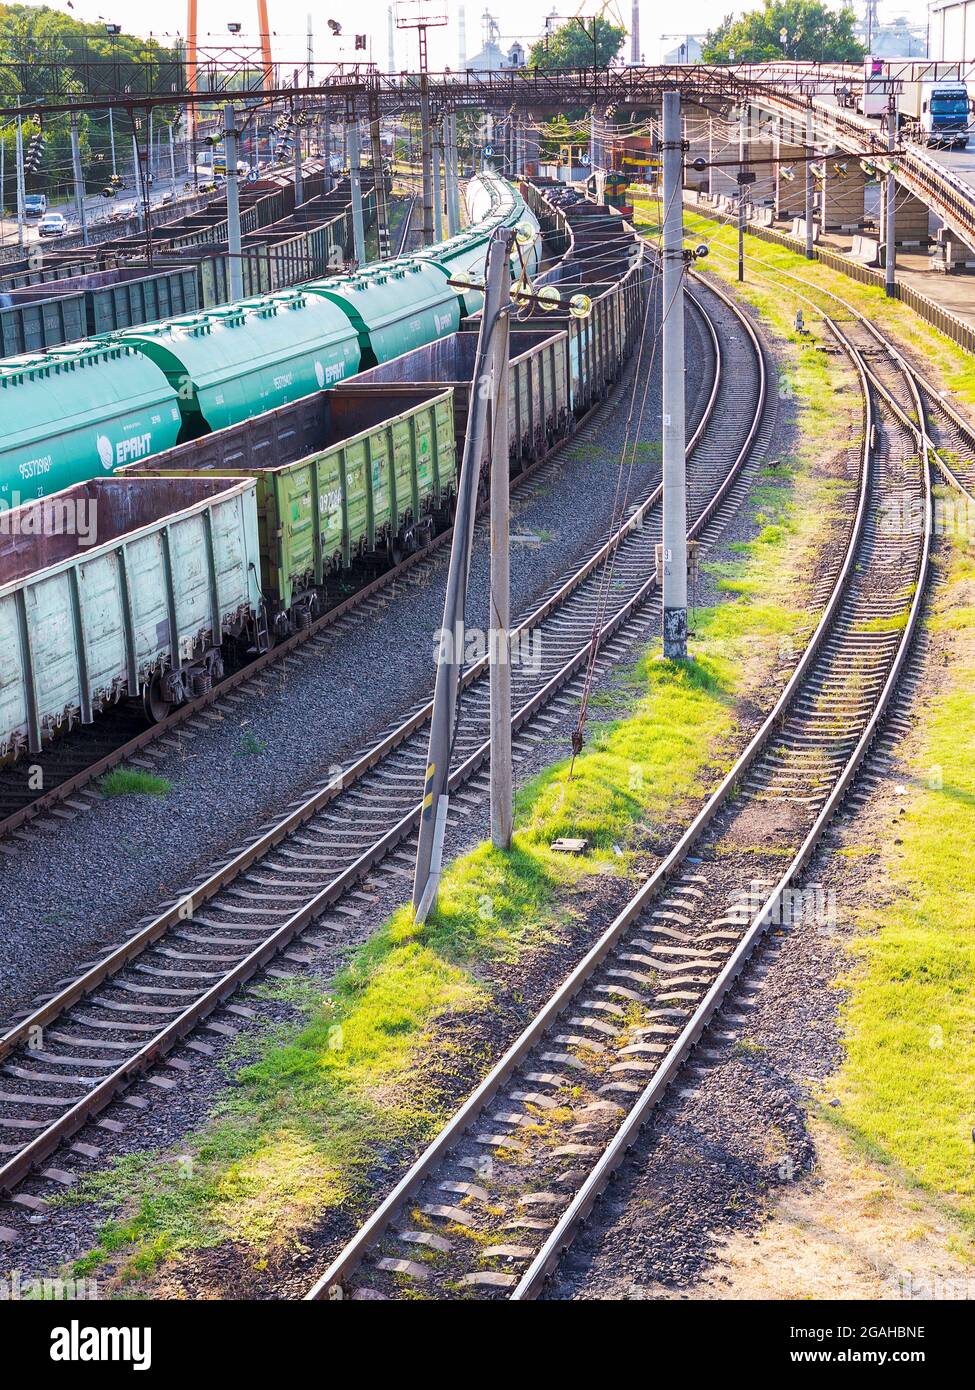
(192, 49)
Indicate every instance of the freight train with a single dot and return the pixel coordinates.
(89, 408)
(233, 540)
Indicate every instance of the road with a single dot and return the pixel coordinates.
(98, 209)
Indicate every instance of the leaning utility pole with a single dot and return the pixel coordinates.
(79, 181)
(234, 247)
(674, 550)
(433, 820)
(890, 198)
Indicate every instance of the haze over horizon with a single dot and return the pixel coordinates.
(518, 21)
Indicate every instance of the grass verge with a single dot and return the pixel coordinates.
(909, 1074)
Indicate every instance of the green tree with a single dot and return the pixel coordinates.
(571, 46)
(806, 30)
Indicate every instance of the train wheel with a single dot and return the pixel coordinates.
(156, 706)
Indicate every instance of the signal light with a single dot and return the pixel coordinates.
(35, 150)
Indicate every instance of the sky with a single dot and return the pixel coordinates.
(518, 19)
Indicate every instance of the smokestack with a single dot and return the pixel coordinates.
(635, 33)
(462, 38)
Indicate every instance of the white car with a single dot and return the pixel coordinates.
(52, 224)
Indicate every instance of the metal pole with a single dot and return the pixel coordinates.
(79, 182)
(172, 158)
(299, 195)
(429, 854)
(437, 150)
(499, 640)
(453, 206)
(111, 137)
(20, 179)
(742, 158)
(710, 155)
(234, 247)
(674, 559)
(426, 160)
(140, 210)
(809, 186)
(890, 197)
(328, 157)
(355, 180)
(379, 180)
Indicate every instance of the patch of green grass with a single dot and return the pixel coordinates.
(250, 746)
(132, 781)
(908, 1077)
(892, 622)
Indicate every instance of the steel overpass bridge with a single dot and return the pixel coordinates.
(783, 89)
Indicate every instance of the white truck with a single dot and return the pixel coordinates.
(933, 105)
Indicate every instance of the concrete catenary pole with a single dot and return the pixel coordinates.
(21, 186)
(437, 148)
(299, 191)
(426, 159)
(499, 639)
(635, 33)
(742, 191)
(140, 203)
(111, 137)
(453, 176)
(79, 179)
(355, 181)
(809, 185)
(674, 557)
(234, 247)
(890, 199)
(172, 158)
(429, 854)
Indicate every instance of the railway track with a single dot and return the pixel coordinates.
(951, 438)
(498, 1195)
(72, 1054)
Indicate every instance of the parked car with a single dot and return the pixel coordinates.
(52, 224)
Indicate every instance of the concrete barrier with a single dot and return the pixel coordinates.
(865, 250)
(799, 229)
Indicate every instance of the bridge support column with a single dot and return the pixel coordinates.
(912, 220)
(844, 183)
(790, 193)
(759, 150)
(725, 153)
(696, 135)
